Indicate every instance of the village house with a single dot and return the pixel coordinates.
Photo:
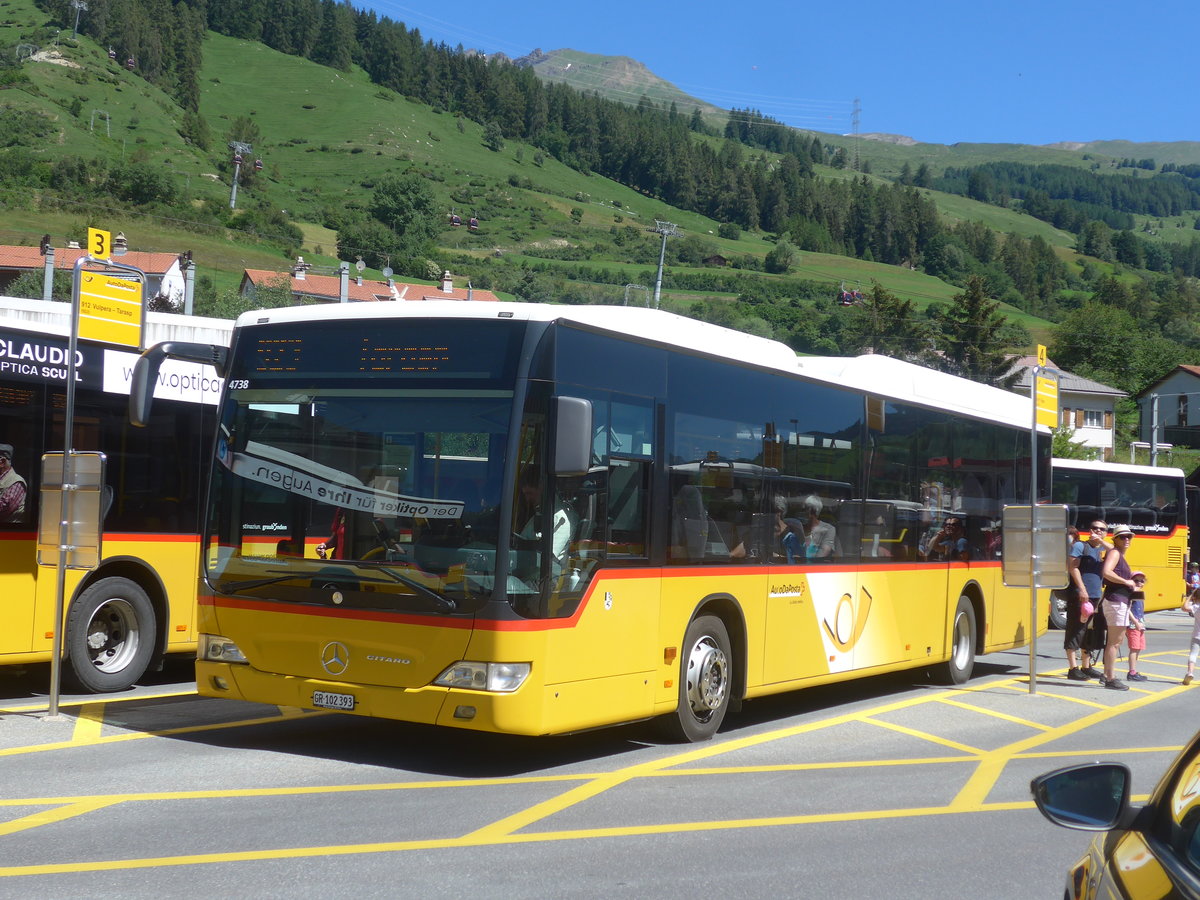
(1086, 406)
(342, 288)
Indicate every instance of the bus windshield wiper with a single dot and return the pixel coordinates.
(443, 604)
(299, 576)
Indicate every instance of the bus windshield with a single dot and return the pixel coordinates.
(365, 493)
(393, 496)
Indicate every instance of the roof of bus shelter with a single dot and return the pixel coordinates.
(31, 258)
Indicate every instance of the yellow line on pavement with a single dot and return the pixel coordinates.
(481, 838)
(89, 723)
(50, 816)
(310, 790)
(980, 784)
(142, 735)
(41, 706)
(995, 714)
(1071, 699)
(922, 735)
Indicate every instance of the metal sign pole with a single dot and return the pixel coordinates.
(1034, 569)
(68, 484)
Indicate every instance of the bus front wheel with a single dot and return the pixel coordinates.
(957, 669)
(110, 635)
(705, 682)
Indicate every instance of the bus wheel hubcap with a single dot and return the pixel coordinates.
(112, 636)
(707, 676)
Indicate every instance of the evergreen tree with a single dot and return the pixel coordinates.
(973, 337)
(886, 325)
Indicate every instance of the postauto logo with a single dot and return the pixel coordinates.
(848, 620)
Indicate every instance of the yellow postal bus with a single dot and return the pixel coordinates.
(538, 519)
(139, 603)
(1150, 500)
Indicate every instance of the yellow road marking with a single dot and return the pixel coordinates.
(141, 735)
(89, 723)
(923, 735)
(980, 784)
(504, 831)
(59, 814)
(995, 714)
(477, 840)
(40, 707)
(1072, 699)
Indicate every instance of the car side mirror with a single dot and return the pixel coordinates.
(1090, 797)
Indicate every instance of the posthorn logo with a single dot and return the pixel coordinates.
(335, 658)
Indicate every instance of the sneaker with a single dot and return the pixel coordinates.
(1187, 679)
(1137, 676)
(1093, 672)
(1076, 674)
(1114, 684)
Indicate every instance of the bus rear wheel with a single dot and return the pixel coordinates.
(705, 682)
(957, 669)
(110, 635)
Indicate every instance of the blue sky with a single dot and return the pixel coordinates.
(935, 70)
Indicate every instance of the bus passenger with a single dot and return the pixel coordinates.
(790, 532)
(12, 488)
(821, 536)
(950, 542)
(330, 549)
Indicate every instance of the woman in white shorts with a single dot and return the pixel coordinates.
(1118, 591)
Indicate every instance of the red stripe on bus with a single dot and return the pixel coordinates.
(516, 625)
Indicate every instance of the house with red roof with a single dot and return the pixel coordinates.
(342, 288)
(16, 261)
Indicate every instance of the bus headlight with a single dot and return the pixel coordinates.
(215, 648)
(479, 676)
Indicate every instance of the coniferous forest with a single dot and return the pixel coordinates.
(753, 175)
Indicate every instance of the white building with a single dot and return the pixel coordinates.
(1087, 406)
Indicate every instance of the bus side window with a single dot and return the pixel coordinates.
(628, 487)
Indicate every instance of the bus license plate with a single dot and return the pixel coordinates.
(326, 700)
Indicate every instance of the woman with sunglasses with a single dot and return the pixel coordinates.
(1118, 592)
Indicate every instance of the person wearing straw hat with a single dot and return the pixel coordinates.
(1118, 595)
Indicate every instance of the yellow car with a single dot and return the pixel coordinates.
(1142, 852)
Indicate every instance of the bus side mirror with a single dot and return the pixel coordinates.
(572, 435)
(145, 372)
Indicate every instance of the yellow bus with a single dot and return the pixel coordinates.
(539, 519)
(1151, 500)
(139, 603)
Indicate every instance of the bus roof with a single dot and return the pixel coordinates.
(878, 375)
(655, 325)
(1092, 465)
(903, 381)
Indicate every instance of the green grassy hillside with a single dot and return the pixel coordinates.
(326, 138)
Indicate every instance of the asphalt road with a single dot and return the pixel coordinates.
(885, 787)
